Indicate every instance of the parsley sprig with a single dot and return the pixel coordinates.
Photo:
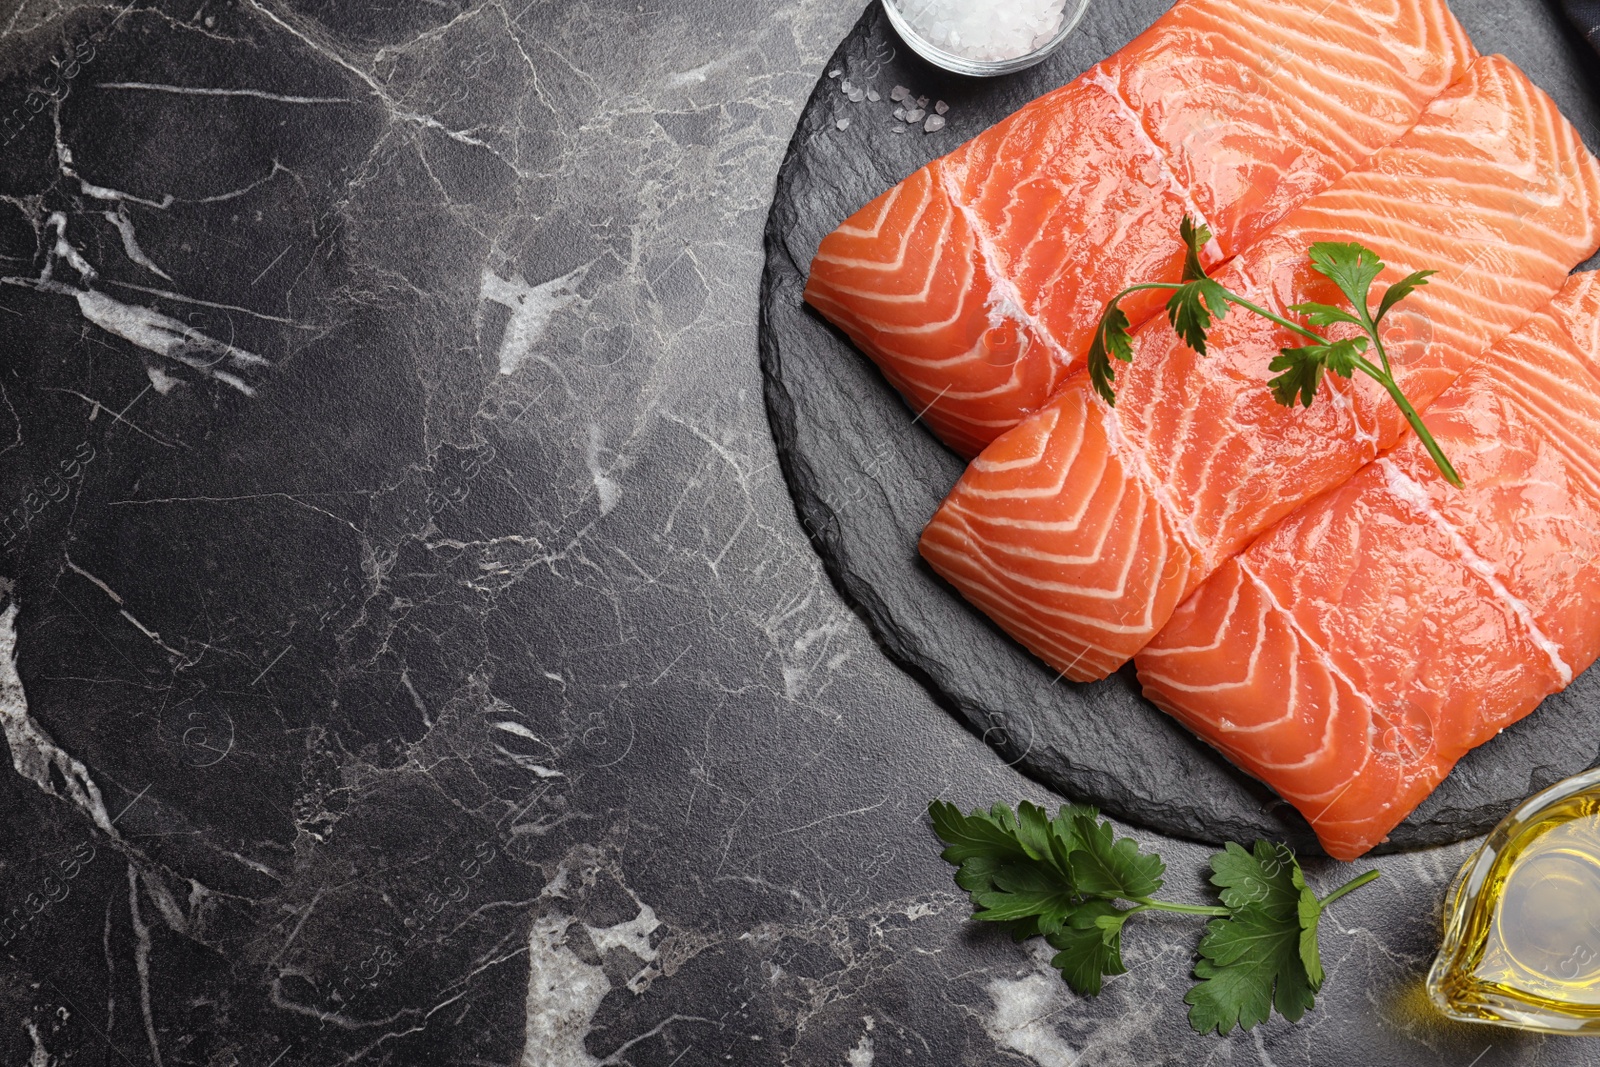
(1070, 880)
(1198, 302)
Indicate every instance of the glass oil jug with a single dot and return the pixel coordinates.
(1522, 921)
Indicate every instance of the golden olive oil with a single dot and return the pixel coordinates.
(1522, 929)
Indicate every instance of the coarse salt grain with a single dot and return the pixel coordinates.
(1001, 29)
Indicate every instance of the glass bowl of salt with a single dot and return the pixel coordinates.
(984, 38)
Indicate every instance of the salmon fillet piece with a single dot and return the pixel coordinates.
(1080, 530)
(1260, 106)
(976, 283)
(920, 283)
(1355, 652)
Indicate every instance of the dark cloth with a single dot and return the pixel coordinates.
(1585, 14)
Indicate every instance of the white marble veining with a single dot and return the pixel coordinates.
(429, 666)
(34, 755)
(1022, 1018)
(531, 307)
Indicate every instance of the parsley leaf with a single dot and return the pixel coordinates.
(1400, 290)
(1259, 877)
(1111, 340)
(1342, 357)
(1198, 301)
(1195, 305)
(1089, 947)
(1308, 909)
(1027, 891)
(1324, 314)
(1352, 267)
(1255, 958)
(1053, 877)
(1033, 829)
(1193, 309)
(1107, 867)
(1302, 368)
(1195, 238)
(1066, 878)
(979, 843)
(1248, 964)
(1302, 374)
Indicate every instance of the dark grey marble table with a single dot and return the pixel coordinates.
(408, 650)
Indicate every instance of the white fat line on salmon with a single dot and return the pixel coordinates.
(1412, 493)
(1316, 646)
(1096, 76)
(1344, 402)
(1574, 313)
(1522, 221)
(1322, 56)
(1005, 302)
(1138, 464)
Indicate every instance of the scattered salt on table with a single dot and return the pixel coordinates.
(843, 124)
(934, 124)
(942, 108)
(915, 116)
(899, 93)
(1002, 29)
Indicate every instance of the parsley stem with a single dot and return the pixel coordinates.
(1383, 376)
(1145, 287)
(1350, 887)
(1280, 320)
(1372, 331)
(1184, 909)
(1112, 338)
(1439, 458)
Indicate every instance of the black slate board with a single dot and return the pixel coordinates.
(866, 479)
(1585, 14)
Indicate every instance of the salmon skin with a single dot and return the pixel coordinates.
(1083, 528)
(1353, 654)
(976, 283)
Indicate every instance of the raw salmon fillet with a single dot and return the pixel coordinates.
(1354, 653)
(976, 283)
(1083, 528)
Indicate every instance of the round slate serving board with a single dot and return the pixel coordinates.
(866, 477)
